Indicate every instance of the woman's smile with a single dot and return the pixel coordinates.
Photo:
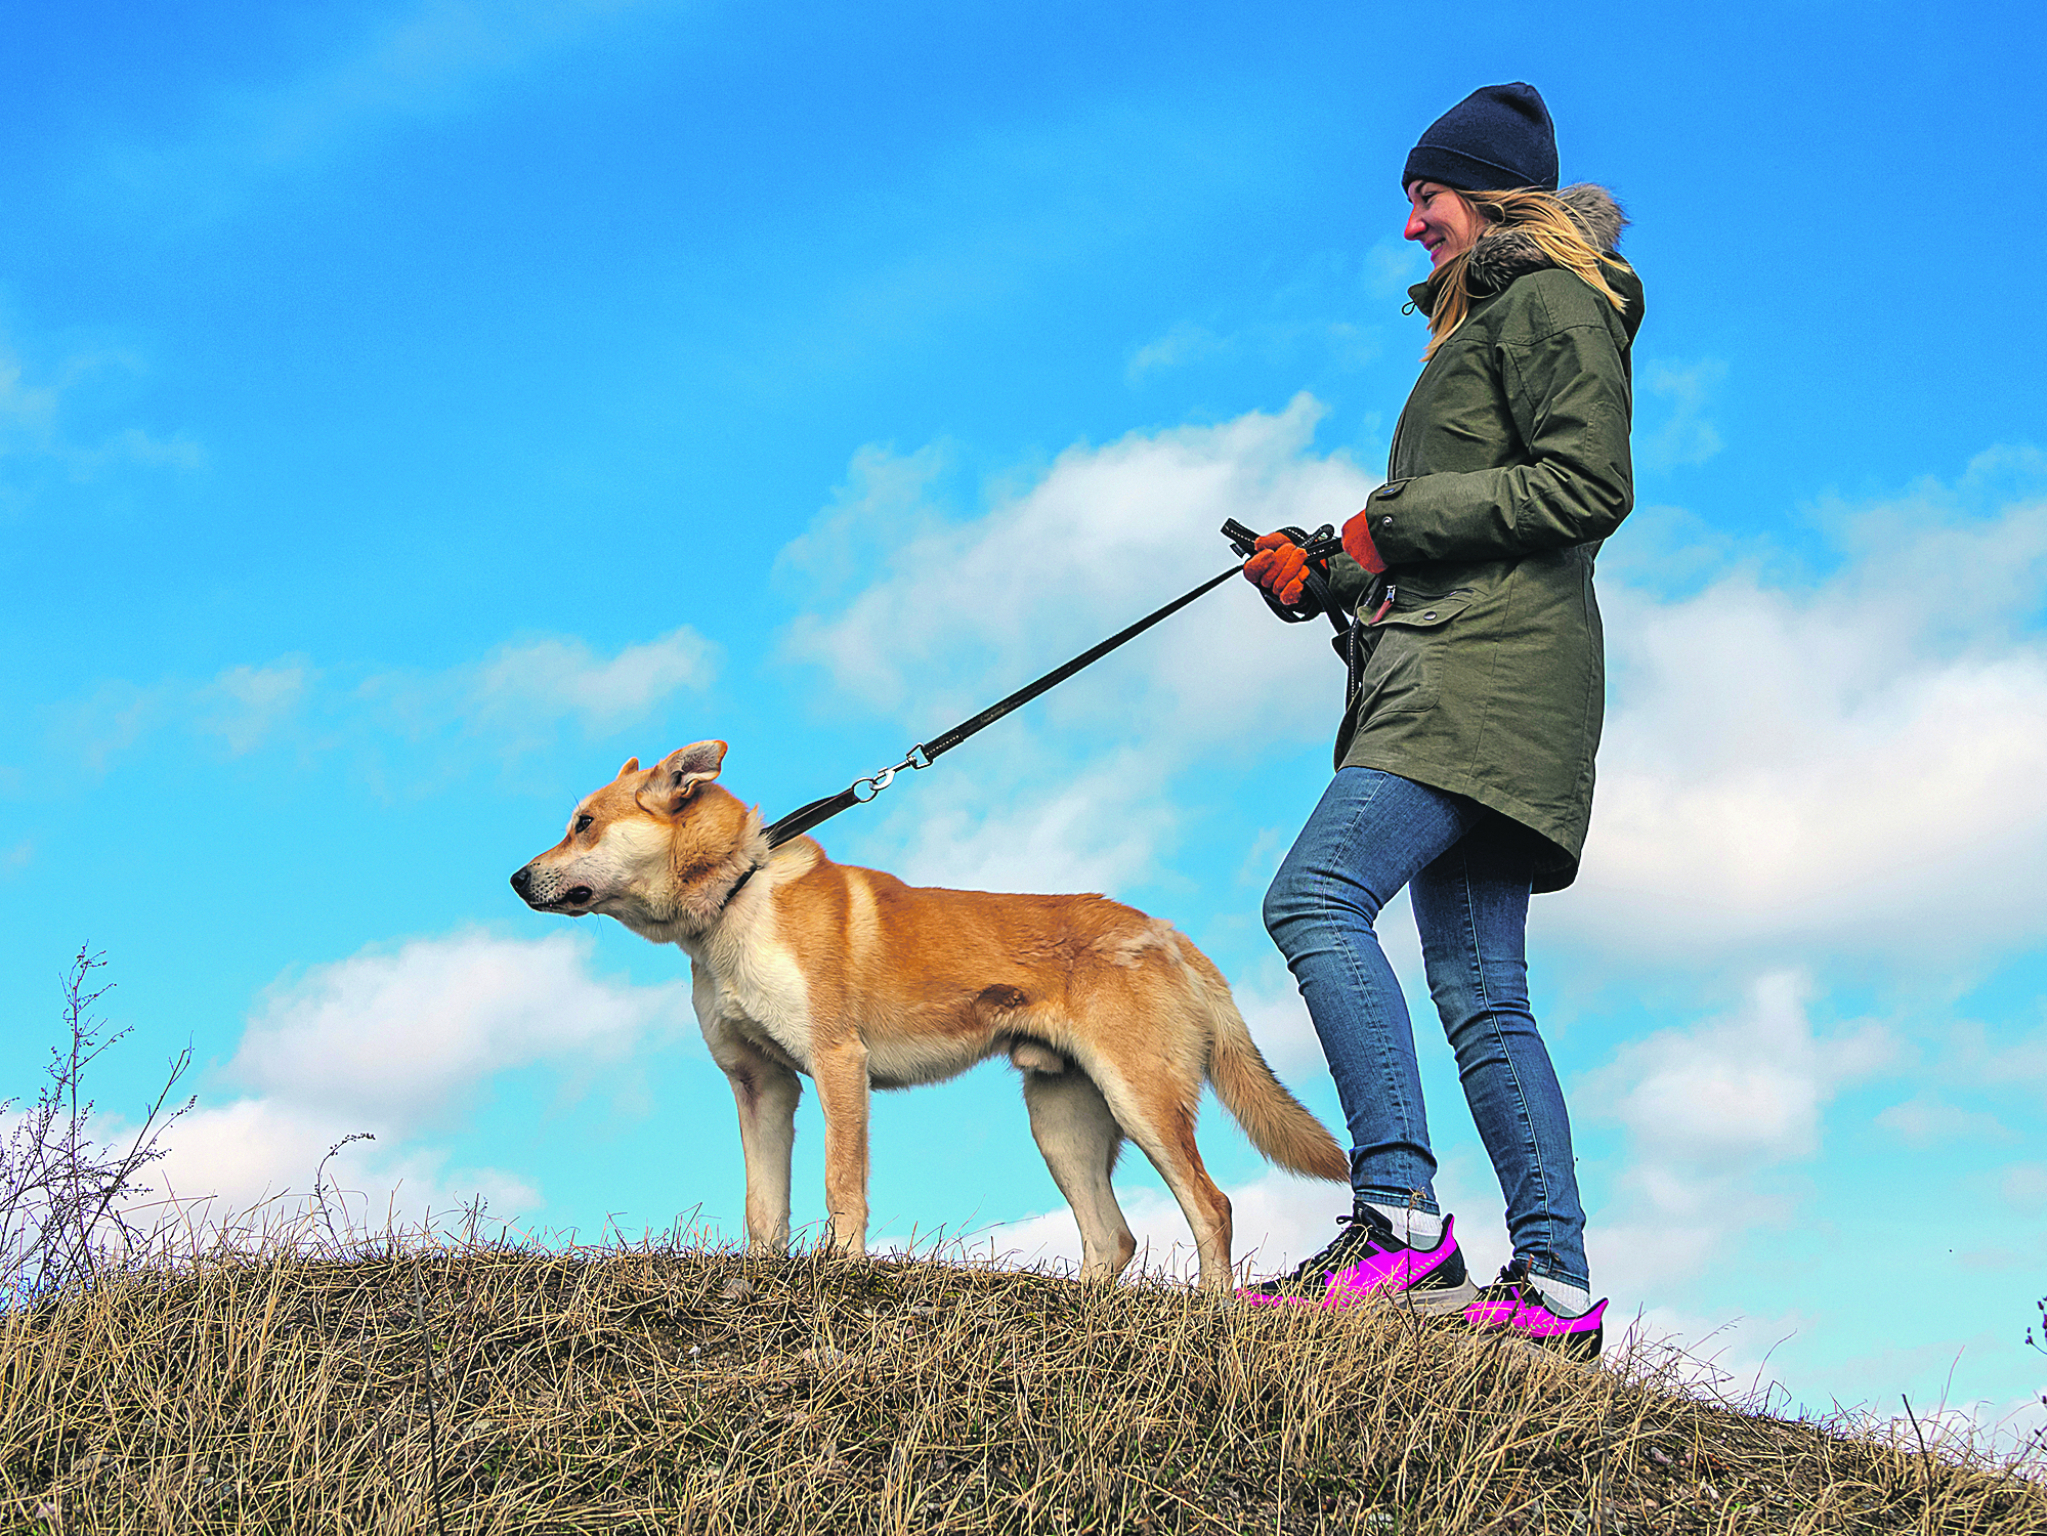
(1440, 220)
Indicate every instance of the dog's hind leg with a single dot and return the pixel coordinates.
(1080, 1139)
(1158, 1114)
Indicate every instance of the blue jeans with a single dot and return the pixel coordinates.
(1469, 875)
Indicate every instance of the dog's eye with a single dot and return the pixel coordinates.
(583, 823)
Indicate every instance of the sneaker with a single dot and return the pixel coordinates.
(1513, 1303)
(1367, 1259)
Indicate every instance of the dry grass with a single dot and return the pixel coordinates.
(685, 1390)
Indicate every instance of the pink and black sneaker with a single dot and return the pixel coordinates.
(1366, 1259)
(1513, 1303)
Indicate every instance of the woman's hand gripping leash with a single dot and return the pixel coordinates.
(1291, 571)
(1289, 567)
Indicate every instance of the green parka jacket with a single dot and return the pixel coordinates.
(1485, 675)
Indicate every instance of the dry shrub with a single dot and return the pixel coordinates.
(681, 1389)
(68, 1198)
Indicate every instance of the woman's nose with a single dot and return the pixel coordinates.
(1415, 227)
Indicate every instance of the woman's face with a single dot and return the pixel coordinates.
(1442, 221)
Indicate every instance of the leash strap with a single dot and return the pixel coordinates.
(860, 791)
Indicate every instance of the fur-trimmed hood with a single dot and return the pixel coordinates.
(1503, 253)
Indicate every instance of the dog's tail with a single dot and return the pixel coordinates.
(1278, 1124)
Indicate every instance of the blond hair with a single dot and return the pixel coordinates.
(1542, 220)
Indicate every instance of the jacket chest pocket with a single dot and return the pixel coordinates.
(1399, 669)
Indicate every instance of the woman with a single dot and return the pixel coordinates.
(1465, 755)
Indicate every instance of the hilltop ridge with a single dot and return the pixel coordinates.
(679, 1389)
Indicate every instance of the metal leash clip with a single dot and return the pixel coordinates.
(877, 782)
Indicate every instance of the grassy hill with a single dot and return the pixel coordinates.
(701, 1391)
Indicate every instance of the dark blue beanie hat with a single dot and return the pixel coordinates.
(1499, 136)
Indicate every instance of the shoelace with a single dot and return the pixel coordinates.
(1513, 1282)
(1353, 1231)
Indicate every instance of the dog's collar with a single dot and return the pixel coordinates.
(738, 886)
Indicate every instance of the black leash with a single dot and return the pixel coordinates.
(860, 791)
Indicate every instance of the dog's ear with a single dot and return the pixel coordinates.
(632, 765)
(675, 778)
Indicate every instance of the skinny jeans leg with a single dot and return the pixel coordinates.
(1471, 906)
(1371, 834)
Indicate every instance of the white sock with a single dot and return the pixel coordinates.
(1564, 1300)
(1417, 1229)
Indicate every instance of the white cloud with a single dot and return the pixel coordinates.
(244, 706)
(27, 411)
(1101, 829)
(1183, 343)
(887, 499)
(556, 677)
(250, 1164)
(1854, 766)
(399, 1039)
(111, 719)
(393, 1043)
(32, 425)
(1339, 342)
(1705, 1109)
(248, 703)
(1392, 266)
(966, 611)
(1740, 1090)
(522, 689)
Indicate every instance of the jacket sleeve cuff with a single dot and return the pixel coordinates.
(1384, 523)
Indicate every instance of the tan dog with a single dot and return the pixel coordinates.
(860, 981)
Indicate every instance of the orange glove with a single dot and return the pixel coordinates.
(1280, 566)
(1357, 542)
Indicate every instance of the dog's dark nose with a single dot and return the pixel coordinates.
(522, 879)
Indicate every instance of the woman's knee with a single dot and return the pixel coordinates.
(1302, 904)
(1287, 901)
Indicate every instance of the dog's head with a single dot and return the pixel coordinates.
(657, 848)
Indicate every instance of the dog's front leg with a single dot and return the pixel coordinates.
(766, 1093)
(841, 1074)
(767, 1098)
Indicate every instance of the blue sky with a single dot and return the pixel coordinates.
(408, 411)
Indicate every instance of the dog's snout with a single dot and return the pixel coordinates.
(522, 879)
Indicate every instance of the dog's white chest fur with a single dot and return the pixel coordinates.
(749, 979)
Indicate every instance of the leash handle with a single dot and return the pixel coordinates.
(1321, 546)
(1318, 547)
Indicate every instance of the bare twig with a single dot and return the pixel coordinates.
(64, 1196)
(320, 1205)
